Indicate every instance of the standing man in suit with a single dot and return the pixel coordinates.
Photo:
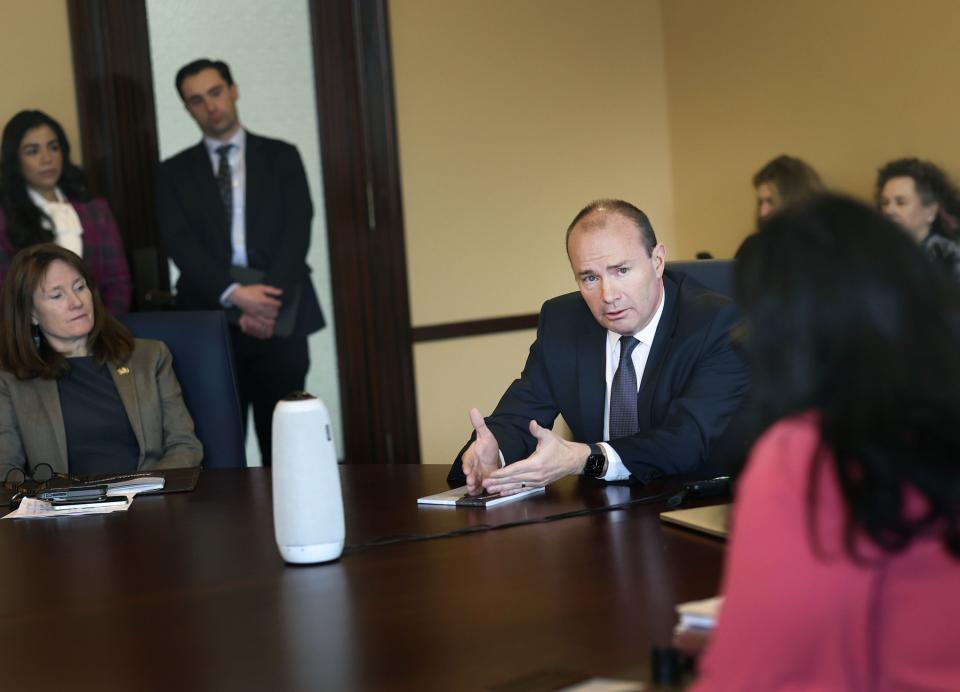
(235, 215)
(639, 363)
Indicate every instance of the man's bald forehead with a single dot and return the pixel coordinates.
(598, 214)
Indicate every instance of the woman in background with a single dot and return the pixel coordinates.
(43, 198)
(844, 560)
(77, 391)
(783, 181)
(923, 200)
(780, 183)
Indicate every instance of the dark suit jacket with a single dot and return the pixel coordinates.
(278, 212)
(31, 420)
(693, 382)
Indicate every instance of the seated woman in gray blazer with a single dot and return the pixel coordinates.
(77, 391)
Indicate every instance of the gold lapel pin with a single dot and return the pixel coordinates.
(123, 371)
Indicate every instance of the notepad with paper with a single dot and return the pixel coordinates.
(133, 486)
(458, 498)
(699, 614)
(713, 519)
(128, 488)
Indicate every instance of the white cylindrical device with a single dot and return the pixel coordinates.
(307, 503)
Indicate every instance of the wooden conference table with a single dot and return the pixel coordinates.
(188, 592)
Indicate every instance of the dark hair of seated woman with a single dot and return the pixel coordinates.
(844, 316)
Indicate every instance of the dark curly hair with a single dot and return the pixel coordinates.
(843, 316)
(24, 218)
(933, 186)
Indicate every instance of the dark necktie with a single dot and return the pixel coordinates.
(623, 393)
(225, 182)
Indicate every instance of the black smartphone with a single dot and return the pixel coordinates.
(78, 492)
(89, 503)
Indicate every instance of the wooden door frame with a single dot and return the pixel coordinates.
(361, 181)
(368, 266)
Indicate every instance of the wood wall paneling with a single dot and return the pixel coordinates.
(365, 228)
(494, 325)
(118, 131)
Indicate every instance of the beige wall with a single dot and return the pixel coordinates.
(513, 114)
(456, 375)
(845, 85)
(38, 67)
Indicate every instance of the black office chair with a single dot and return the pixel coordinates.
(146, 269)
(203, 361)
(715, 274)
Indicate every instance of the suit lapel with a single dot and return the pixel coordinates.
(90, 226)
(591, 359)
(662, 340)
(664, 334)
(124, 378)
(255, 169)
(49, 398)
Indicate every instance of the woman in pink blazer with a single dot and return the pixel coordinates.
(844, 560)
(43, 198)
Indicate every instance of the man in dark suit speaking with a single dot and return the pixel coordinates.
(639, 363)
(235, 215)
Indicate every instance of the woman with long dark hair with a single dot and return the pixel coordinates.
(844, 559)
(43, 198)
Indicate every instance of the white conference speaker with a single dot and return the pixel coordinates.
(307, 503)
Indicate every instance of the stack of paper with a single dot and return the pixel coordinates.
(458, 498)
(132, 486)
(700, 615)
(32, 508)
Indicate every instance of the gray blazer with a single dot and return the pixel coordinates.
(31, 421)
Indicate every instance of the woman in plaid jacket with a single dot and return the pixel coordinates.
(43, 198)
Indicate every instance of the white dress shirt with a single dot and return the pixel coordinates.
(67, 231)
(616, 471)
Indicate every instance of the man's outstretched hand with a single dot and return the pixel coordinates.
(482, 457)
(553, 459)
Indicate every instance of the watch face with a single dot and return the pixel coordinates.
(593, 466)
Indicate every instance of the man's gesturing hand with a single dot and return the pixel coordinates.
(553, 459)
(482, 457)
